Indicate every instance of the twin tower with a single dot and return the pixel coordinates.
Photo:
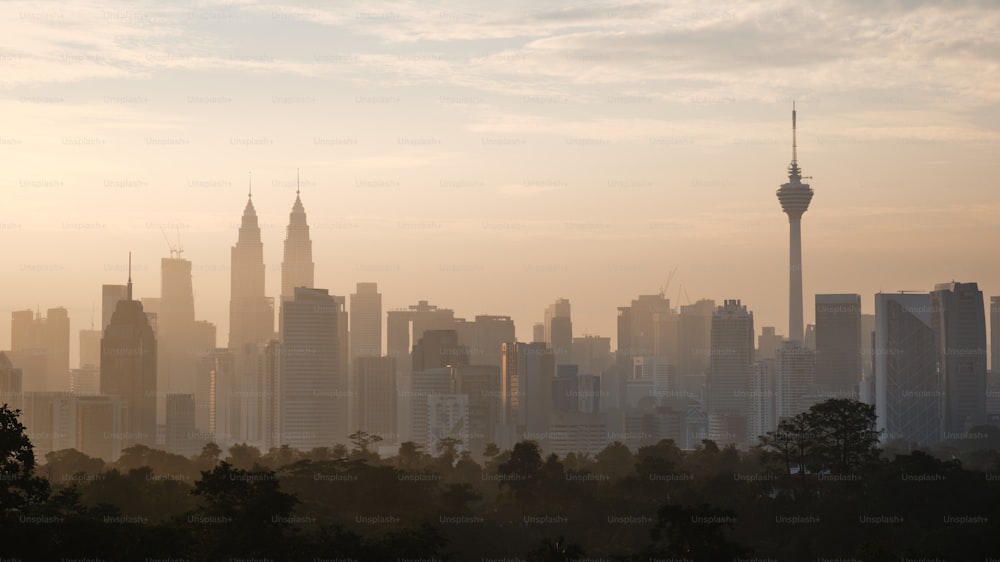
(251, 311)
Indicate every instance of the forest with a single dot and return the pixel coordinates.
(819, 487)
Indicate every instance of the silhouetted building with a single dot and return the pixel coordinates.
(366, 321)
(416, 319)
(489, 333)
(98, 426)
(838, 345)
(438, 348)
(959, 321)
(650, 330)
(297, 265)
(11, 390)
(730, 371)
(180, 429)
(482, 384)
(216, 404)
(50, 421)
(794, 380)
(426, 386)
(795, 197)
(90, 348)
(592, 354)
(762, 398)
(559, 330)
(110, 295)
(867, 341)
(40, 348)
(251, 312)
(528, 369)
(375, 396)
(768, 343)
(696, 337)
(907, 386)
(995, 335)
(128, 369)
(312, 395)
(86, 380)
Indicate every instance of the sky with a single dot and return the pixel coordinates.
(491, 159)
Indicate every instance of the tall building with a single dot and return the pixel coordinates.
(110, 295)
(907, 387)
(416, 320)
(838, 345)
(438, 348)
(375, 396)
(366, 321)
(867, 341)
(795, 197)
(995, 335)
(651, 328)
(426, 386)
(216, 407)
(297, 265)
(527, 373)
(730, 372)
(763, 417)
(180, 429)
(128, 369)
(98, 426)
(794, 379)
(311, 393)
(559, 330)
(251, 312)
(768, 343)
(90, 348)
(11, 391)
(489, 333)
(482, 385)
(959, 321)
(592, 354)
(50, 420)
(695, 337)
(40, 347)
(175, 331)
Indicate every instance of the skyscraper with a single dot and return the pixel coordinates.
(297, 265)
(180, 429)
(10, 383)
(128, 369)
(838, 345)
(907, 389)
(559, 330)
(176, 327)
(375, 396)
(110, 295)
(366, 321)
(794, 378)
(40, 348)
(730, 371)
(527, 373)
(768, 343)
(995, 335)
(959, 322)
(310, 380)
(795, 197)
(90, 348)
(251, 312)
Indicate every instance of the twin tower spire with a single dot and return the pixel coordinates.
(251, 312)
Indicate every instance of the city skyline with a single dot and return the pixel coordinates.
(482, 132)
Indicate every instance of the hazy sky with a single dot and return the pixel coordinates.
(494, 159)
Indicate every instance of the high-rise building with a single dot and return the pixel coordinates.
(426, 385)
(366, 321)
(416, 319)
(489, 333)
(795, 197)
(763, 417)
(50, 421)
(215, 397)
(447, 418)
(959, 321)
(85, 381)
(695, 337)
(175, 333)
(794, 380)
(11, 390)
(907, 387)
(438, 348)
(251, 312)
(730, 371)
(99, 426)
(180, 429)
(867, 341)
(592, 354)
(768, 343)
(128, 369)
(297, 265)
(995, 335)
(482, 385)
(110, 295)
(538, 332)
(375, 396)
(651, 328)
(40, 348)
(838, 345)
(311, 396)
(528, 370)
(90, 348)
(559, 330)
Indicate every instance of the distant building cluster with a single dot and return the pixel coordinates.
(153, 374)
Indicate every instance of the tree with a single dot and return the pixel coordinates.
(844, 431)
(243, 456)
(361, 441)
(241, 513)
(695, 533)
(19, 487)
(521, 471)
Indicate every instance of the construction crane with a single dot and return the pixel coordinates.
(670, 277)
(175, 250)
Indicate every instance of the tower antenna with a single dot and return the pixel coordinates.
(795, 158)
(249, 184)
(296, 182)
(129, 290)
